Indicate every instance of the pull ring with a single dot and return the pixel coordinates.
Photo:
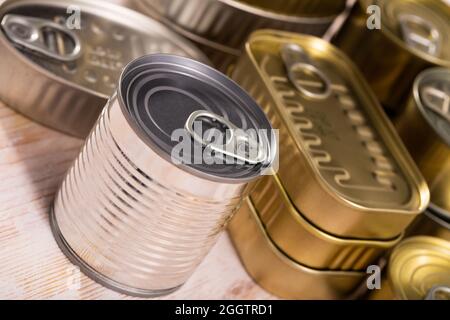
(297, 60)
(239, 145)
(438, 293)
(30, 33)
(437, 100)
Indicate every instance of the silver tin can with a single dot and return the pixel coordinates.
(60, 71)
(126, 213)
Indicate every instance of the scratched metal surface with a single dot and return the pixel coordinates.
(33, 160)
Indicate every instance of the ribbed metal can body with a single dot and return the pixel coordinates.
(131, 218)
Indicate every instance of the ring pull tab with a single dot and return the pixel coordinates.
(239, 145)
(420, 34)
(437, 100)
(47, 38)
(298, 65)
(438, 293)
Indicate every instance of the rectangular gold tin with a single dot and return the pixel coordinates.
(341, 162)
(304, 242)
(276, 272)
(388, 64)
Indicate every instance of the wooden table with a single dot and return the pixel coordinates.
(33, 160)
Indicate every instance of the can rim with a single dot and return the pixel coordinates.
(161, 153)
(103, 4)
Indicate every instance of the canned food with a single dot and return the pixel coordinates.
(222, 26)
(424, 126)
(413, 35)
(276, 272)
(304, 242)
(341, 161)
(419, 268)
(59, 69)
(431, 223)
(133, 212)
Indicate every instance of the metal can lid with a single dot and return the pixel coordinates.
(175, 103)
(419, 26)
(86, 44)
(419, 264)
(432, 95)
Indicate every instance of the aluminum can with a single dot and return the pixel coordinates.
(424, 126)
(222, 26)
(413, 35)
(341, 162)
(61, 59)
(307, 244)
(278, 273)
(130, 216)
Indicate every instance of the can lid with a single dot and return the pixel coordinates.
(418, 265)
(432, 95)
(419, 26)
(196, 117)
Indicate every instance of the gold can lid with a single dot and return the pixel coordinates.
(418, 265)
(419, 26)
(335, 136)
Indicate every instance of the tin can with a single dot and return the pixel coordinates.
(222, 26)
(128, 213)
(278, 273)
(431, 223)
(61, 59)
(419, 268)
(413, 35)
(341, 162)
(424, 126)
(305, 243)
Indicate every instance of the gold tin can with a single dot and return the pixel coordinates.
(304, 242)
(431, 223)
(424, 126)
(62, 77)
(341, 161)
(418, 266)
(414, 35)
(276, 272)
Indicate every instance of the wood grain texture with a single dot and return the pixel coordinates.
(33, 161)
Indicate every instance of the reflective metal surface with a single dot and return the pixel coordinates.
(341, 162)
(308, 244)
(68, 91)
(424, 126)
(276, 272)
(431, 223)
(414, 35)
(418, 265)
(129, 216)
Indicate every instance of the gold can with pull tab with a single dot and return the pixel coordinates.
(392, 41)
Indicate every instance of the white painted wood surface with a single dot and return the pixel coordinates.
(33, 160)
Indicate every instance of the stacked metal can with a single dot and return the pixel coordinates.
(392, 41)
(221, 27)
(418, 269)
(424, 126)
(136, 213)
(67, 56)
(346, 188)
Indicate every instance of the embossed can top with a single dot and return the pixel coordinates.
(419, 268)
(340, 141)
(86, 43)
(420, 26)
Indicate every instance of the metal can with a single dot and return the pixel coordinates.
(60, 71)
(424, 126)
(132, 218)
(413, 35)
(341, 162)
(223, 26)
(305, 243)
(278, 273)
(419, 268)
